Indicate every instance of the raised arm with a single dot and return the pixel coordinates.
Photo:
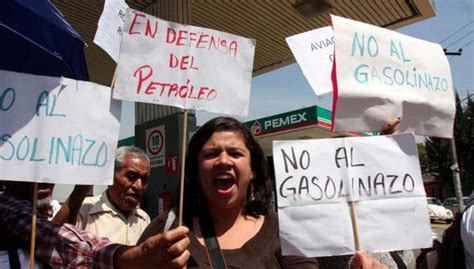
(70, 208)
(66, 247)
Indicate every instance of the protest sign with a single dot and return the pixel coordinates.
(110, 27)
(316, 178)
(57, 130)
(382, 74)
(313, 50)
(190, 67)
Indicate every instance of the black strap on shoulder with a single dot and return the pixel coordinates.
(398, 260)
(214, 254)
(13, 258)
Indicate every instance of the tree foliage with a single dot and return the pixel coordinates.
(439, 152)
(424, 161)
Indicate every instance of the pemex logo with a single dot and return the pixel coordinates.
(256, 128)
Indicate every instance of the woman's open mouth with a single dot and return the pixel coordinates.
(224, 183)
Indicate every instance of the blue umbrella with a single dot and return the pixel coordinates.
(37, 39)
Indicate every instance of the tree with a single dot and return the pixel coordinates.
(439, 154)
(424, 161)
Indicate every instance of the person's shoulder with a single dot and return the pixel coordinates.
(91, 199)
(142, 214)
(88, 204)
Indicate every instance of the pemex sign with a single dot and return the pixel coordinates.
(290, 120)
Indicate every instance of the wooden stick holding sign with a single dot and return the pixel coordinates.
(183, 163)
(191, 68)
(33, 226)
(355, 226)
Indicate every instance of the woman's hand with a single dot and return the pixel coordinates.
(365, 261)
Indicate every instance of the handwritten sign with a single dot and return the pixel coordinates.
(314, 52)
(110, 28)
(173, 64)
(316, 178)
(57, 130)
(382, 74)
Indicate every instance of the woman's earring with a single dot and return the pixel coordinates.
(252, 197)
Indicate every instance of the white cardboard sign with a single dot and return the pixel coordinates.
(57, 130)
(190, 67)
(110, 27)
(316, 178)
(314, 51)
(382, 74)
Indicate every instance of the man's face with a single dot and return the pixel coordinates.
(130, 183)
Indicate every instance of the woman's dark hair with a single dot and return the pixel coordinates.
(262, 183)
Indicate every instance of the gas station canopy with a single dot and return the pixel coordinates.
(269, 22)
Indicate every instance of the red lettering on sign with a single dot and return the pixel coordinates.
(149, 31)
(202, 92)
(170, 35)
(211, 95)
(134, 22)
(192, 36)
(233, 48)
(173, 88)
(182, 36)
(170, 89)
(141, 77)
(151, 87)
(174, 62)
(200, 40)
(185, 63)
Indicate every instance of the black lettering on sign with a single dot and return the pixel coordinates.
(352, 159)
(318, 187)
(304, 185)
(368, 190)
(341, 154)
(327, 186)
(342, 190)
(408, 180)
(379, 180)
(392, 179)
(292, 189)
(304, 159)
(343, 157)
